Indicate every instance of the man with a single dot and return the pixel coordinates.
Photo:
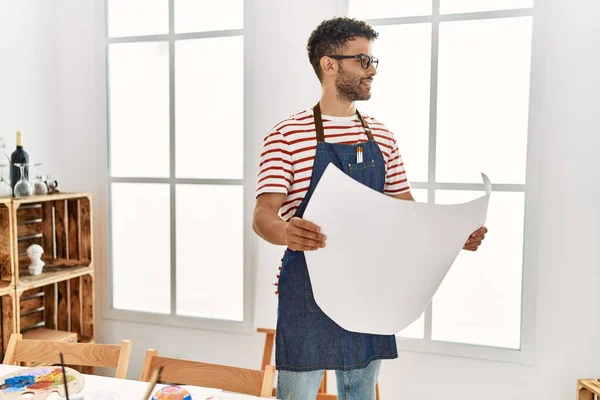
(295, 155)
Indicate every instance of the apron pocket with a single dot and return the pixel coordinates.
(364, 172)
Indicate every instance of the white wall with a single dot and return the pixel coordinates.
(28, 86)
(562, 173)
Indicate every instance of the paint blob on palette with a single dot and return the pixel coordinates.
(40, 382)
(172, 393)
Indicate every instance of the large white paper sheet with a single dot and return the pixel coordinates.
(385, 258)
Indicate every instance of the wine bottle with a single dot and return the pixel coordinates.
(19, 156)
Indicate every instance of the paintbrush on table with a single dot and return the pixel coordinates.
(64, 373)
(153, 380)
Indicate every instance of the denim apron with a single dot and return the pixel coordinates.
(306, 338)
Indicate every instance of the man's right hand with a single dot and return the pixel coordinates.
(296, 234)
(302, 235)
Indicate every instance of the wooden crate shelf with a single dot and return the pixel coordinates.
(7, 255)
(49, 197)
(51, 275)
(6, 288)
(9, 319)
(66, 305)
(61, 224)
(60, 301)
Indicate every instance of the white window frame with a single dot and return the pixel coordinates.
(526, 353)
(172, 319)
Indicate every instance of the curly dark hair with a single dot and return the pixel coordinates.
(331, 36)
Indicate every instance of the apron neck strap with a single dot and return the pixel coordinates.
(319, 124)
(365, 126)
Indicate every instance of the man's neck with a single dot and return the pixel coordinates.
(332, 105)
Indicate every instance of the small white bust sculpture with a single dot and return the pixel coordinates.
(34, 252)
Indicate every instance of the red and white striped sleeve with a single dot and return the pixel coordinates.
(396, 181)
(275, 168)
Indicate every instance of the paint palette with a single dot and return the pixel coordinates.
(38, 383)
(172, 393)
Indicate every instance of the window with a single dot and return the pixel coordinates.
(176, 162)
(453, 85)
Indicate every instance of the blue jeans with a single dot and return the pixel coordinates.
(354, 384)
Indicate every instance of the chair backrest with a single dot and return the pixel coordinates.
(231, 379)
(269, 343)
(84, 354)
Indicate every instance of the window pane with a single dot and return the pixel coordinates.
(139, 109)
(400, 98)
(479, 301)
(371, 9)
(141, 242)
(210, 251)
(461, 6)
(202, 16)
(483, 97)
(137, 17)
(209, 84)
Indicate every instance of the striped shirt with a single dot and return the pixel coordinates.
(289, 150)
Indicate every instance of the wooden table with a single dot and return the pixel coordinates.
(125, 388)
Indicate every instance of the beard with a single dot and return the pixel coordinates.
(349, 87)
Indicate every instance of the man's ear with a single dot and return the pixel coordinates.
(328, 66)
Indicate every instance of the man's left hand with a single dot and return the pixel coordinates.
(474, 241)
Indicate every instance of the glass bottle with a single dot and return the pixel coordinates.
(23, 188)
(39, 186)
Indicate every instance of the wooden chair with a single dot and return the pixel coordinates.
(231, 379)
(266, 360)
(84, 354)
(588, 389)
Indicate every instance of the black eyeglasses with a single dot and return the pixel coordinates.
(365, 60)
